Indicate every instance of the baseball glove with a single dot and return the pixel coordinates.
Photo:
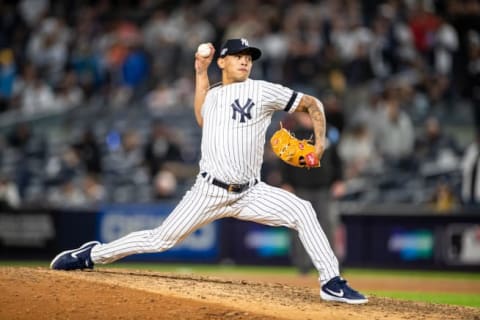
(297, 153)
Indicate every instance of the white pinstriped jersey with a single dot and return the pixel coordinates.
(235, 121)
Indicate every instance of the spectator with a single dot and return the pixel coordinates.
(126, 164)
(164, 185)
(129, 156)
(474, 74)
(400, 54)
(85, 57)
(22, 144)
(47, 48)
(69, 94)
(160, 38)
(348, 34)
(371, 111)
(20, 137)
(271, 168)
(359, 71)
(443, 199)
(305, 42)
(135, 69)
(357, 151)
(275, 42)
(67, 195)
(9, 195)
(330, 76)
(444, 47)
(380, 51)
(434, 145)
(320, 186)
(471, 174)
(245, 23)
(438, 90)
(67, 167)
(7, 78)
(93, 191)
(36, 96)
(161, 99)
(423, 24)
(32, 11)
(89, 151)
(334, 110)
(396, 135)
(415, 102)
(196, 30)
(161, 148)
(13, 29)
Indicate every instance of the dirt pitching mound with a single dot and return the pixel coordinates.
(39, 293)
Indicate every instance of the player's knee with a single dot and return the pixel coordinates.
(161, 241)
(164, 245)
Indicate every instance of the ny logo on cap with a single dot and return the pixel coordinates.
(243, 111)
(244, 42)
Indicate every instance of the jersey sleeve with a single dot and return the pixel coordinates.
(277, 97)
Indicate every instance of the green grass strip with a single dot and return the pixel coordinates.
(26, 263)
(460, 299)
(413, 273)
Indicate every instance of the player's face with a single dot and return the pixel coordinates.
(235, 67)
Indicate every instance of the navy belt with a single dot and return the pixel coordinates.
(236, 188)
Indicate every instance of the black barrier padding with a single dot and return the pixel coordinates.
(41, 234)
(410, 241)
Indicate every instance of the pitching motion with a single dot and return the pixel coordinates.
(234, 116)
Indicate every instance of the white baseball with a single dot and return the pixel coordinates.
(203, 50)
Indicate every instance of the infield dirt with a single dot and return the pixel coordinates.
(40, 293)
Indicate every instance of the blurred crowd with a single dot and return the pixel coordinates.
(392, 76)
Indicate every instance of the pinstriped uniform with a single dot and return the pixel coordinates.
(235, 120)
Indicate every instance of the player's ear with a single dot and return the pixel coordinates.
(221, 63)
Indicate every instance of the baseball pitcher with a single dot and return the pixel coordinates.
(234, 115)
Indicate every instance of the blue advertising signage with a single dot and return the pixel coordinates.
(267, 242)
(115, 221)
(411, 244)
(253, 243)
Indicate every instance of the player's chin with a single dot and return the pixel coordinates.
(242, 75)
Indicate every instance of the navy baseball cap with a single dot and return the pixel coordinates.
(233, 46)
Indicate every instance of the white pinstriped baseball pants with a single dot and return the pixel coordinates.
(205, 202)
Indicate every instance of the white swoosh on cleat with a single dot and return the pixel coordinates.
(74, 254)
(335, 293)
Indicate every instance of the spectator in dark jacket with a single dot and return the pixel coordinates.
(90, 153)
(320, 186)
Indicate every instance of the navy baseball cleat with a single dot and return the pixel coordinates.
(74, 259)
(337, 289)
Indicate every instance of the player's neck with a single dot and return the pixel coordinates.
(228, 80)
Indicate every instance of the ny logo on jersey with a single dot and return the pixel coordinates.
(243, 111)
